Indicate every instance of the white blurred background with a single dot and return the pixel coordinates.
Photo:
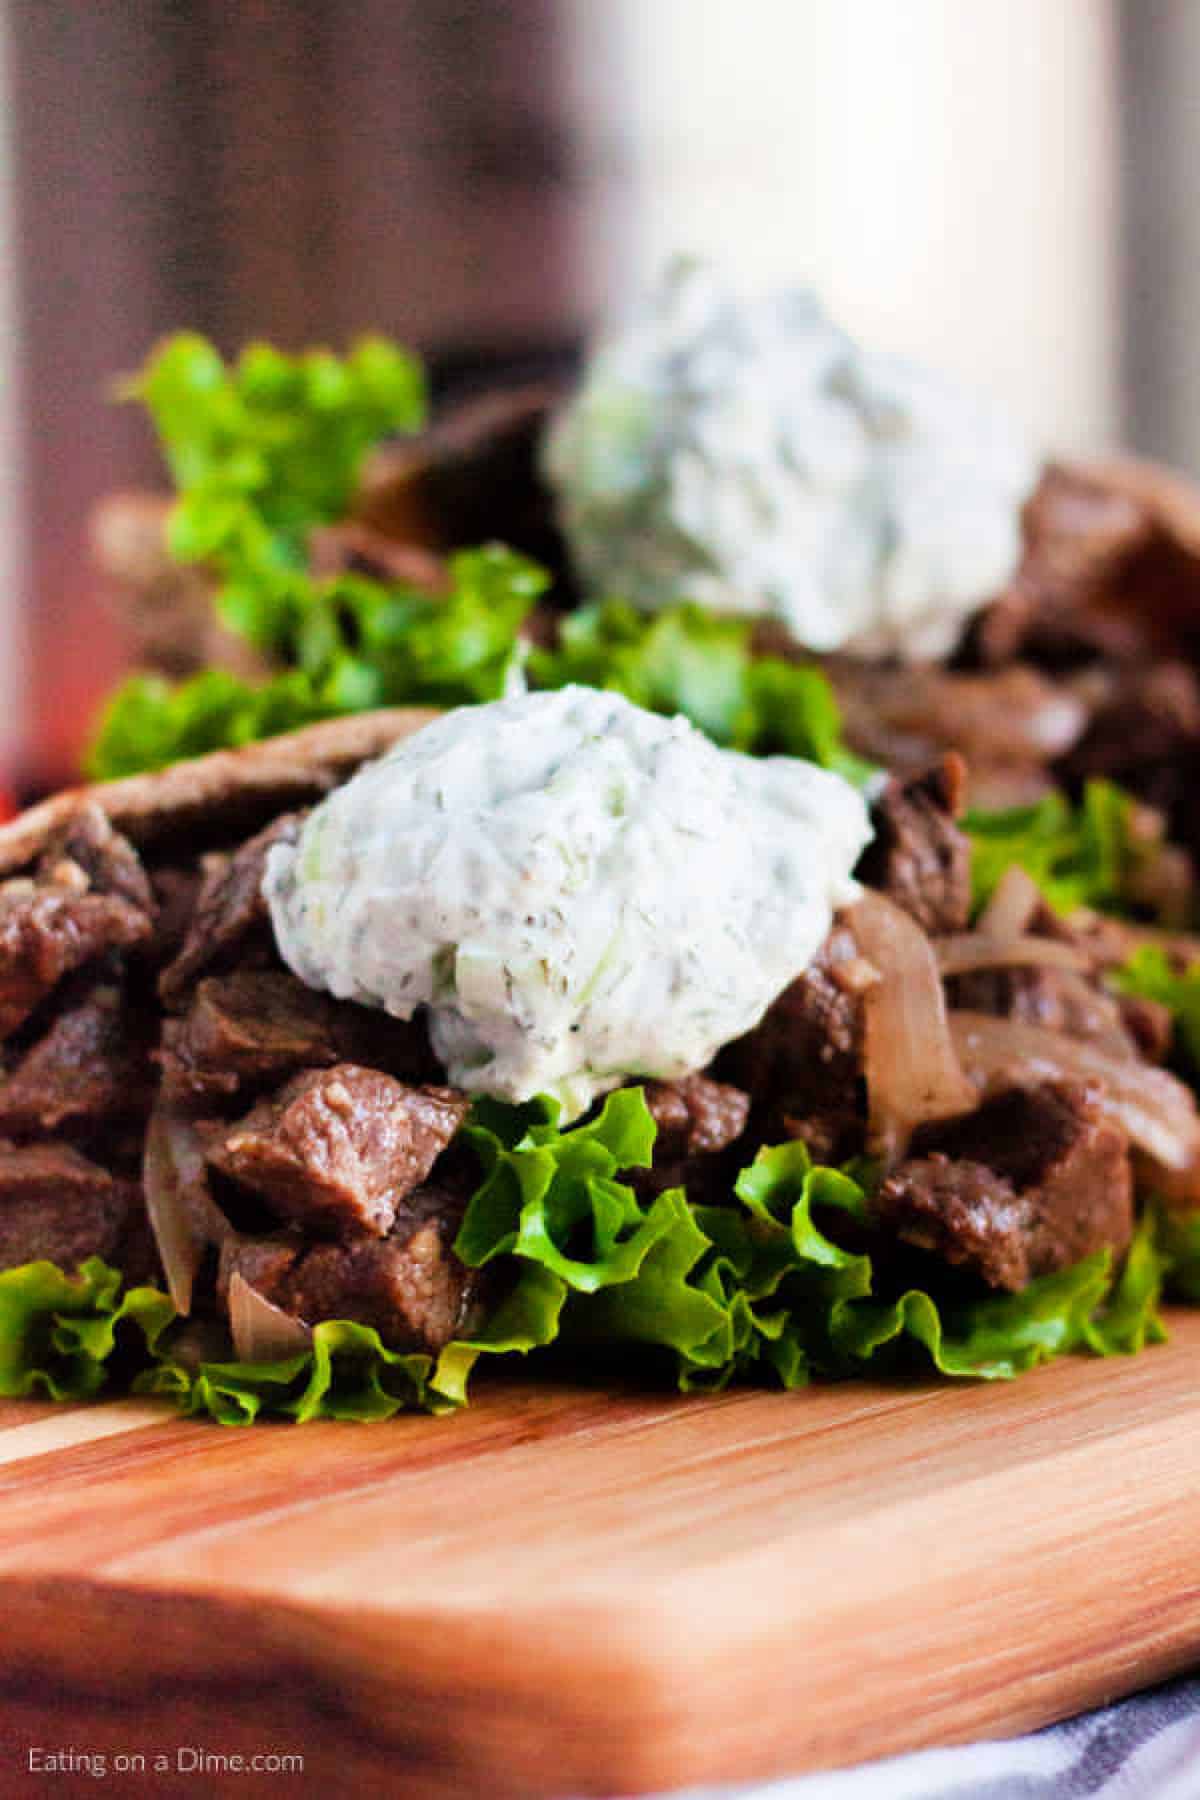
(999, 186)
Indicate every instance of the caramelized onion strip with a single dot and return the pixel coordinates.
(1014, 902)
(1157, 1111)
(964, 951)
(183, 1216)
(911, 1067)
(261, 1331)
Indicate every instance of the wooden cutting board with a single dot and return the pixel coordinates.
(563, 1591)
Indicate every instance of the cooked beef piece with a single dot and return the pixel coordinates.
(695, 1115)
(1110, 572)
(88, 895)
(263, 1262)
(55, 1203)
(1060, 999)
(918, 857)
(1079, 531)
(1144, 734)
(699, 1123)
(1137, 718)
(48, 929)
(1033, 1181)
(1148, 1023)
(176, 891)
(1079, 535)
(962, 1212)
(229, 907)
(339, 1148)
(258, 1025)
(108, 861)
(802, 1061)
(409, 1285)
(1010, 719)
(91, 1066)
(472, 476)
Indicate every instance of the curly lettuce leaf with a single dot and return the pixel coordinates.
(263, 449)
(1177, 1235)
(772, 1286)
(349, 1373)
(59, 1333)
(683, 659)
(1129, 1318)
(1078, 855)
(353, 644)
(760, 1286)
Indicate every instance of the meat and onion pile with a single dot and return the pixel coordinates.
(966, 1124)
(179, 1104)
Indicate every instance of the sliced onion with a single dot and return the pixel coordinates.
(911, 1067)
(1158, 1112)
(262, 1332)
(1013, 905)
(183, 1215)
(963, 951)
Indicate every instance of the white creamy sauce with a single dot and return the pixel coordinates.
(751, 457)
(577, 890)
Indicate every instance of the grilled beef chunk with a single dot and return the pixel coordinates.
(1144, 733)
(1080, 536)
(229, 908)
(409, 1285)
(1059, 999)
(1149, 1025)
(802, 1061)
(109, 861)
(337, 1149)
(258, 1025)
(1035, 1180)
(472, 476)
(698, 1120)
(176, 891)
(918, 856)
(46, 933)
(88, 895)
(696, 1116)
(263, 1262)
(90, 1067)
(55, 1203)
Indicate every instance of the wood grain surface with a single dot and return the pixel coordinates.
(563, 1591)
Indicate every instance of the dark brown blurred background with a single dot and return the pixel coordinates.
(1004, 187)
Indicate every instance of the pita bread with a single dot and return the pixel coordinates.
(229, 791)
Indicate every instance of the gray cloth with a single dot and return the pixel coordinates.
(1147, 1748)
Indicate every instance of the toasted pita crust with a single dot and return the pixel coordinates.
(231, 790)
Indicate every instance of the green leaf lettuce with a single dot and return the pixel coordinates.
(60, 1334)
(1078, 855)
(594, 1263)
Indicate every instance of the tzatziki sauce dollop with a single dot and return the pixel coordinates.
(577, 890)
(748, 455)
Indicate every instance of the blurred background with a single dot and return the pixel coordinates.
(1002, 187)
